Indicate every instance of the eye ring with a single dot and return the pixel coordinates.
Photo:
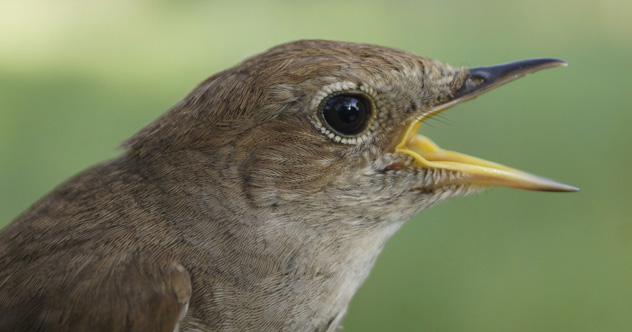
(347, 114)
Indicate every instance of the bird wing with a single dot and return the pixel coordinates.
(94, 294)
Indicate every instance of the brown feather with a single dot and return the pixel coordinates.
(233, 204)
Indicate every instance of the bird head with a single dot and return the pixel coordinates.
(332, 127)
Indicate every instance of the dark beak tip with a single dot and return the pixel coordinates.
(542, 63)
(518, 68)
(482, 79)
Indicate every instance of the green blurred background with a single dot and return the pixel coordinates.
(79, 77)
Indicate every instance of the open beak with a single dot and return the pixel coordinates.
(475, 170)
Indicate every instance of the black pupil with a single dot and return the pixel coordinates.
(346, 114)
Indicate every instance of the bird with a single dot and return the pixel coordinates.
(259, 202)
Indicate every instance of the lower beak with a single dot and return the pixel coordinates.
(474, 170)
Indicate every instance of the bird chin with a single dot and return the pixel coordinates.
(423, 186)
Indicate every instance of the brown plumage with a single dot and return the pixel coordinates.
(251, 204)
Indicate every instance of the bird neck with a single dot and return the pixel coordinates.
(252, 252)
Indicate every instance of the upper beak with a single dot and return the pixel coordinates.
(475, 170)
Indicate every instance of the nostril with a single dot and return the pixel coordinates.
(474, 81)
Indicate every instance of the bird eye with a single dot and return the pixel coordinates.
(347, 114)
